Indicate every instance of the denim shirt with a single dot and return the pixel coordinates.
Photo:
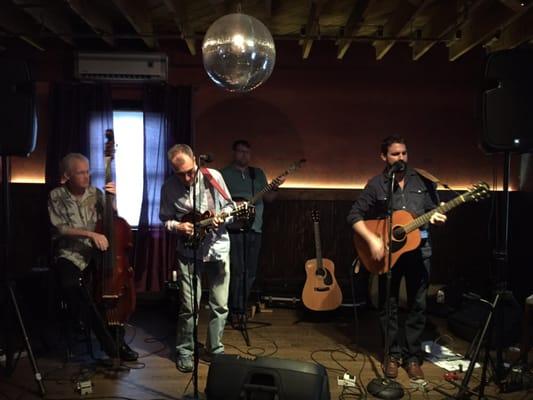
(177, 201)
(418, 196)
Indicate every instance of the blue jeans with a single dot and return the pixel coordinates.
(405, 342)
(218, 280)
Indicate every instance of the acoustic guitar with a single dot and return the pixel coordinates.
(321, 291)
(405, 230)
(205, 222)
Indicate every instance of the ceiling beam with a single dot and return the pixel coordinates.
(519, 32)
(48, 16)
(15, 21)
(100, 24)
(224, 7)
(179, 15)
(486, 21)
(352, 25)
(515, 5)
(444, 18)
(311, 28)
(138, 17)
(400, 23)
(268, 8)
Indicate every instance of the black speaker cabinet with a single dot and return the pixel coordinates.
(232, 378)
(508, 102)
(18, 114)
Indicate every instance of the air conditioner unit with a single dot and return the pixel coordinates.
(121, 67)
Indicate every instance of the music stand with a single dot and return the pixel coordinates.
(6, 282)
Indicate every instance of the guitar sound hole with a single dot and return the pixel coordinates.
(398, 233)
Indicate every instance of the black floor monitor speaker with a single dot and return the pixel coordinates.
(231, 377)
(17, 109)
(508, 102)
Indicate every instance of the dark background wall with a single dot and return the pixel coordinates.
(333, 113)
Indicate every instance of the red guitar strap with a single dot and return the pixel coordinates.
(214, 183)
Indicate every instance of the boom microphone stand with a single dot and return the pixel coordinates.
(8, 284)
(386, 388)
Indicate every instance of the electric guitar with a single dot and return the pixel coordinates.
(246, 219)
(321, 291)
(405, 232)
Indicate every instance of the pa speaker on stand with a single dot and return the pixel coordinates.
(507, 107)
(18, 138)
(18, 112)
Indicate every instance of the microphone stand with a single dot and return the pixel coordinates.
(195, 313)
(386, 388)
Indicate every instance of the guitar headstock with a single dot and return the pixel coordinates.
(276, 182)
(242, 210)
(109, 151)
(315, 215)
(296, 165)
(480, 190)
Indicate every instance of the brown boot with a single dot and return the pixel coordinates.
(390, 368)
(414, 371)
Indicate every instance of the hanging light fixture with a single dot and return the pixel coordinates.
(238, 52)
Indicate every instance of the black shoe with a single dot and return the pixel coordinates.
(127, 354)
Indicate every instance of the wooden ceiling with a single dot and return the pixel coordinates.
(142, 25)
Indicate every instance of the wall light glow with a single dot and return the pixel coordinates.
(28, 179)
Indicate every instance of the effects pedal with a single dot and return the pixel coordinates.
(346, 380)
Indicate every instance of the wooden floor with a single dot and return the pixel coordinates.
(328, 339)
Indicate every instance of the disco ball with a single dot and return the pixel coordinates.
(238, 52)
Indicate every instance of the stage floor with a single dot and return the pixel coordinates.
(288, 333)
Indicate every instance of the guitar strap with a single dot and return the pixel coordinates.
(215, 184)
(251, 172)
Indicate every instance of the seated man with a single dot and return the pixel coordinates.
(74, 208)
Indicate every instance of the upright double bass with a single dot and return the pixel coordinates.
(115, 290)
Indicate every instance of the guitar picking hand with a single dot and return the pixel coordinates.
(185, 228)
(377, 249)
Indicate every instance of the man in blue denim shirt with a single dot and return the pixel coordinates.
(415, 194)
(212, 252)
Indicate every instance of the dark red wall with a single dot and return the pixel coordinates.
(332, 112)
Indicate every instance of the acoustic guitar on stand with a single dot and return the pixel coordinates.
(321, 291)
(405, 230)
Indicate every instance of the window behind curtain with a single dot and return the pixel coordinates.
(128, 163)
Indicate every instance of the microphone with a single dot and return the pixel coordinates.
(398, 166)
(206, 158)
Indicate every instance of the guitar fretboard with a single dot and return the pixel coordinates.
(424, 218)
(318, 247)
